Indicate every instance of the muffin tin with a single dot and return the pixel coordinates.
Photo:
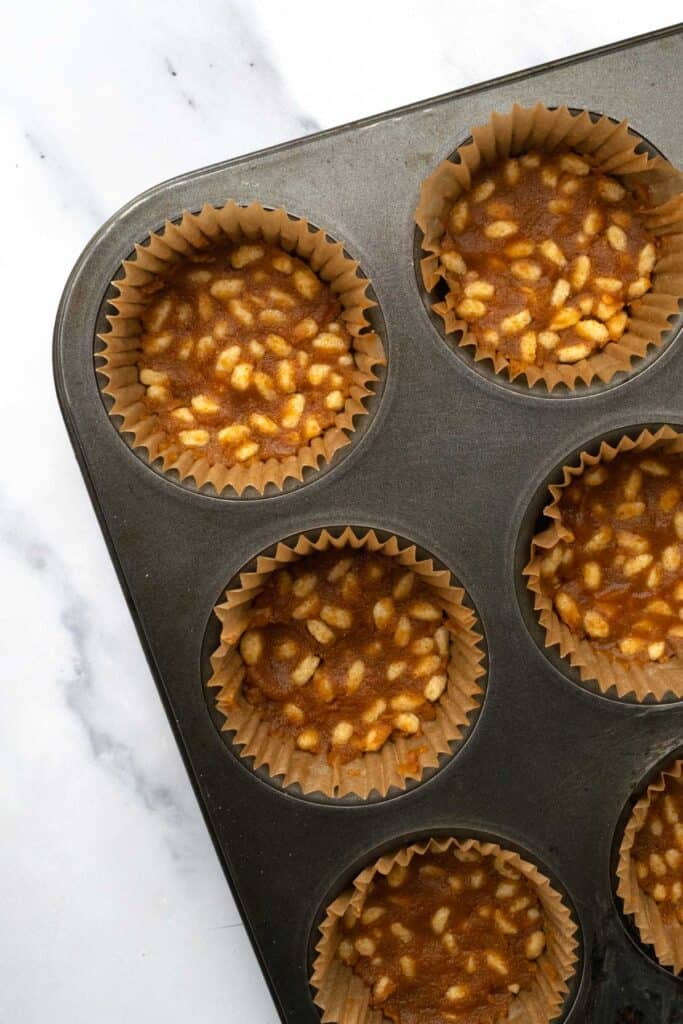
(449, 459)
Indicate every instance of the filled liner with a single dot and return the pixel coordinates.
(196, 233)
(657, 679)
(344, 997)
(399, 759)
(665, 937)
(614, 147)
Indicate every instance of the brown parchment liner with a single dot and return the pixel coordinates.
(400, 759)
(344, 997)
(665, 937)
(197, 233)
(614, 148)
(626, 676)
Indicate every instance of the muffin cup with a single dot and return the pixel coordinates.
(197, 233)
(399, 759)
(615, 150)
(643, 680)
(344, 997)
(665, 937)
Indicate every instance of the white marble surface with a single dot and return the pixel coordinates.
(112, 904)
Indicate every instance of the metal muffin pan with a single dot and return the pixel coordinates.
(451, 461)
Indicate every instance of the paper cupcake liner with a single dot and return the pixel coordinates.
(614, 148)
(665, 937)
(641, 679)
(197, 233)
(399, 759)
(344, 997)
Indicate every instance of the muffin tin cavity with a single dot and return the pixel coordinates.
(242, 356)
(609, 358)
(360, 615)
(638, 926)
(540, 619)
(350, 919)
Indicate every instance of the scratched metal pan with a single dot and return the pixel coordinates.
(451, 459)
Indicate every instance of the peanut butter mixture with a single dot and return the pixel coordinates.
(453, 936)
(543, 255)
(658, 851)
(344, 649)
(244, 355)
(617, 579)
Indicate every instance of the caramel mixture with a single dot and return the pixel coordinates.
(618, 579)
(658, 851)
(244, 355)
(453, 936)
(543, 255)
(343, 649)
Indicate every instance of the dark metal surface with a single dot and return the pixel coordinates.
(454, 462)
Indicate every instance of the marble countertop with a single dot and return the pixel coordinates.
(113, 903)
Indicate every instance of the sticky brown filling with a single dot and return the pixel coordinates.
(543, 256)
(453, 936)
(245, 355)
(343, 650)
(658, 851)
(617, 578)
